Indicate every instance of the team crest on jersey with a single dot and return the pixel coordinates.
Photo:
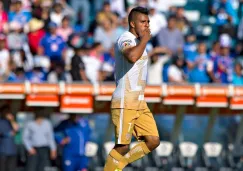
(126, 43)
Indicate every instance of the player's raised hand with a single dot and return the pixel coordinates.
(146, 35)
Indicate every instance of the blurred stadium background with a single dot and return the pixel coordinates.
(57, 58)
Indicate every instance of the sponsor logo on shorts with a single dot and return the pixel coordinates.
(128, 136)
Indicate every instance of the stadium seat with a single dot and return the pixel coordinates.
(92, 153)
(188, 155)
(177, 169)
(235, 156)
(51, 169)
(225, 169)
(192, 15)
(163, 155)
(201, 5)
(201, 169)
(107, 147)
(178, 2)
(151, 169)
(213, 155)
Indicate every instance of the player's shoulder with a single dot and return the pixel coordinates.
(126, 39)
(126, 35)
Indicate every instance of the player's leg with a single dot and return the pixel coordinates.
(123, 120)
(144, 128)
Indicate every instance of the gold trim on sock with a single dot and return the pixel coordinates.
(145, 148)
(115, 155)
(121, 159)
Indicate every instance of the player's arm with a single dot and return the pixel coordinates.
(134, 53)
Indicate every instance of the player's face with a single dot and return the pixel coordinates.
(141, 23)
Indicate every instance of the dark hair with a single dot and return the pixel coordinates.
(141, 10)
(4, 110)
(106, 3)
(96, 44)
(66, 18)
(39, 113)
(215, 43)
(176, 57)
(171, 17)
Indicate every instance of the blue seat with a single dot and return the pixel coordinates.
(201, 5)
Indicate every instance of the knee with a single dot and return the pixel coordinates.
(152, 142)
(122, 149)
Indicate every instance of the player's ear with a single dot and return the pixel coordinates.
(132, 24)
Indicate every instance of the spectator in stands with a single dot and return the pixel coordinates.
(123, 26)
(157, 59)
(52, 45)
(224, 62)
(23, 59)
(8, 148)
(77, 65)
(45, 16)
(105, 13)
(57, 14)
(65, 30)
(227, 28)
(93, 63)
(106, 34)
(240, 30)
(176, 73)
(157, 20)
(37, 75)
(181, 21)
(38, 139)
(84, 7)
(59, 74)
(36, 9)
(18, 75)
(9, 75)
(16, 38)
(170, 37)
(73, 135)
(4, 56)
(19, 15)
(224, 11)
(36, 33)
(162, 5)
(118, 6)
(237, 76)
(215, 51)
(200, 67)
(190, 46)
(3, 18)
(67, 9)
(108, 65)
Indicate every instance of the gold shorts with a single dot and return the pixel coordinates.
(137, 122)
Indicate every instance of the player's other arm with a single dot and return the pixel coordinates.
(134, 53)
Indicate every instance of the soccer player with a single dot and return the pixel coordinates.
(129, 111)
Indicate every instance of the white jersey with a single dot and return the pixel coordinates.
(130, 77)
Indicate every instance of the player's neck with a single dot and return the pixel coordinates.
(133, 32)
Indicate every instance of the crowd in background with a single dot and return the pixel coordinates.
(73, 40)
(44, 145)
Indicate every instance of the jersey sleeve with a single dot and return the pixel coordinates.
(125, 42)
